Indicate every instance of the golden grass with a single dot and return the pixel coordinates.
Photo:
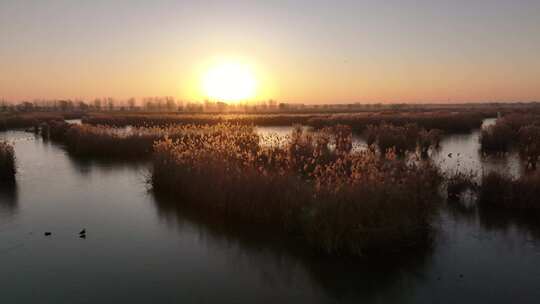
(450, 122)
(106, 142)
(312, 187)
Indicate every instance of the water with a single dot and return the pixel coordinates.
(74, 121)
(461, 153)
(140, 249)
(269, 134)
(456, 153)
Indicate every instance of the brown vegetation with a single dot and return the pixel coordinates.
(339, 201)
(26, 120)
(497, 138)
(403, 139)
(529, 144)
(447, 121)
(502, 191)
(153, 119)
(514, 130)
(107, 142)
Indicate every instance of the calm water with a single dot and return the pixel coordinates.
(142, 250)
(457, 152)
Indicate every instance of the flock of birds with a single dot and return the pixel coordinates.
(82, 234)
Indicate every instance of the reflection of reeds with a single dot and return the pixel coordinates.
(337, 200)
(272, 252)
(8, 197)
(503, 191)
(497, 219)
(7, 162)
(457, 183)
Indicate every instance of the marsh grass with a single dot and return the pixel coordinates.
(496, 190)
(7, 162)
(107, 142)
(429, 140)
(500, 190)
(529, 144)
(511, 131)
(402, 139)
(26, 120)
(341, 202)
(497, 138)
(450, 122)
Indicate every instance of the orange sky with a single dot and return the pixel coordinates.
(302, 51)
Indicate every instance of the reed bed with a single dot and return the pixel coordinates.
(7, 162)
(313, 187)
(449, 122)
(499, 190)
(515, 131)
(402, 139)
(529, 144)
(497, 138)
(503, 135)
(146, 120)
(106, 142)
(143, 120)
(26, 120)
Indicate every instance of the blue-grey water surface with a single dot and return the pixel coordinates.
(142, 250)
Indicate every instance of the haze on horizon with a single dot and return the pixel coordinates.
(299, 51)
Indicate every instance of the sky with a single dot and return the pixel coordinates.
(305, 51)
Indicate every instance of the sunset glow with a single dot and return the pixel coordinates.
(229, 82)
(289, 151)
(358, 51)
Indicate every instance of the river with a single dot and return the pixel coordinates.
(140, 249)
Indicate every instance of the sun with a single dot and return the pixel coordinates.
(229, 82)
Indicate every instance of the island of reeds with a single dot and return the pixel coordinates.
(313, 186)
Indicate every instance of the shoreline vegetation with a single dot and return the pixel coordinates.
(520, 194)
(338, 201)
(311, 187)
(402, 139)
(10, 121)
(446, 121)
(107, 142)
(8, 167)
(117, 143)
(519, 132)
